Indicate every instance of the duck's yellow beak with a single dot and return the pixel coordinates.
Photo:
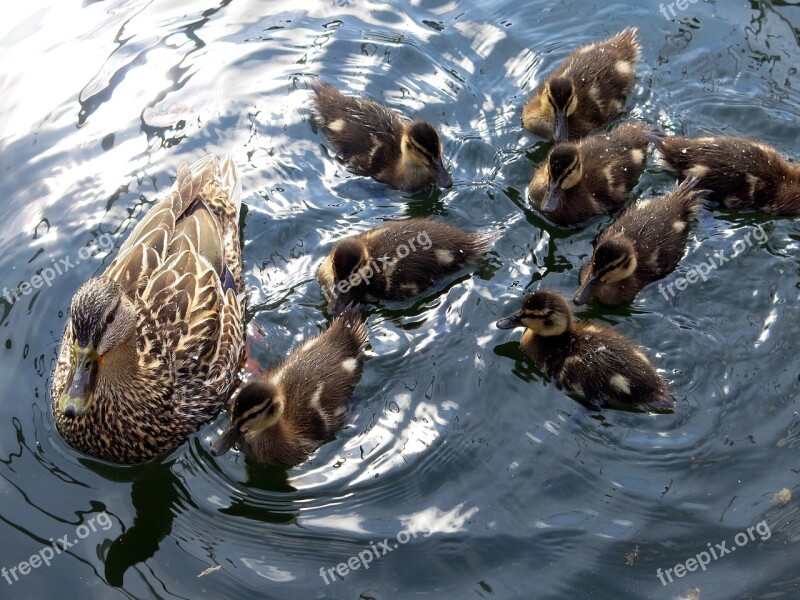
(587, 290)
(82, 380)
(226, 441)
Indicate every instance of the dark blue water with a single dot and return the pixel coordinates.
(498, 484)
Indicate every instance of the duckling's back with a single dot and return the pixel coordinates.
(430, 250)
(363, 132)
(738, 172)
(659, 228)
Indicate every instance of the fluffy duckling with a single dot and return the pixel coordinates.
(643, 245)
(286, 414)
(377, 142)
(592, 361)
(397, 260)
(593, 176)
(587, 91)
(738, 172)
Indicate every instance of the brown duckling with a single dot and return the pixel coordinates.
(738, 172)
(377, 142)
(397, 260)
(587, 91)
(643, 245)
(589, 360)
(286, 414)
(593, 176)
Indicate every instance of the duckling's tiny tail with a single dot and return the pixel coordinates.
(688, 190)
(351, 318)
(656, 136)
(484, 240)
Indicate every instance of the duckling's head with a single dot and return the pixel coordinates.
(560, 95)
(564, 167)
(257, 407)
(352, 272)
(102, 319)
(544, 313)
(422, 148)
(614, 259)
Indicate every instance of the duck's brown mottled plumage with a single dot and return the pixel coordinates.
(590, 89)
(397, 260)
(286, 414)
(164, 322)
(738, 172)
(590, 177)
(589, 360)
(643, 245)
(377, 142)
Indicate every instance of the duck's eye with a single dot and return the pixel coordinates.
(110, 318)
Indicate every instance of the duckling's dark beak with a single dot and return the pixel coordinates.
(587, 290)
(561, 134)
(226, 441)
(551, 200)
(82, 380)
(339, 304)
(443, 178)
(511, 322)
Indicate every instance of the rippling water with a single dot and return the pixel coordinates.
(512, 490)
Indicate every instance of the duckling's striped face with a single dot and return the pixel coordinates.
(421, 147)
(614, 260)
(257, 407)
(564, 172)
(544, 313)
(560, 101)
(101, 319)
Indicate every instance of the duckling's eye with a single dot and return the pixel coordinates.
(110, 318)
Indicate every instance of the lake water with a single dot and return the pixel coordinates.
(490, 481)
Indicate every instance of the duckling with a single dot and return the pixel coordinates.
(593, 176)
(285, 415)
(593, 361)
(739, 172)
(377, 142)
(397, 260)
(643, 245)
(587, 91)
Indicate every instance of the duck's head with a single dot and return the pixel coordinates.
(257, 407)
(544, 313)
(422, 147)
(614, 259)
(102, 319)
(563, 101)
(565, 172)
(352, 272)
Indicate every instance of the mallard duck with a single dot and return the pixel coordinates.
(593, 176)
(285, 415)
(377, 142)
(643, 245)
(589, 360)
(397, 260)
(587, 91)
(738, 172)
(152, 346)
